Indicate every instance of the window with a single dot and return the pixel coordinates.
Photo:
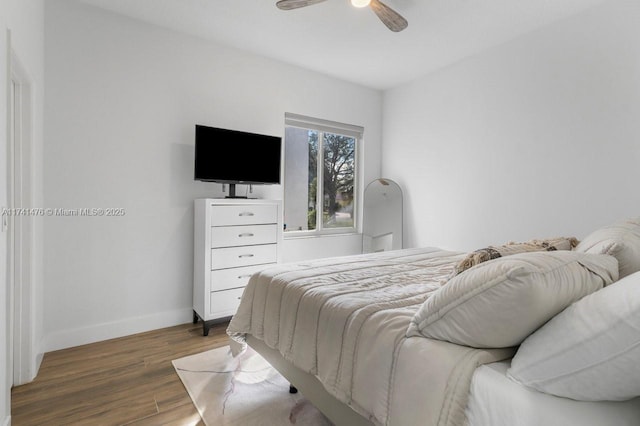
(320, 180)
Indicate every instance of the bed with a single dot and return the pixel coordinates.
(360, 336)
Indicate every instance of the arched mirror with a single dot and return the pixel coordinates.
(382, 221)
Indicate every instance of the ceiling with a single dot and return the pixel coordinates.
(340, 40)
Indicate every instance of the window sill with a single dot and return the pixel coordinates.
(299, 235)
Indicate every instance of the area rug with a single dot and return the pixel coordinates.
(243, 391)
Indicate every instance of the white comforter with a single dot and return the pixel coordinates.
(344, 320)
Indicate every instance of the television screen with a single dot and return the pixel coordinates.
(229, 156)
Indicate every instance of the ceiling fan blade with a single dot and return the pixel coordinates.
(294, 4)
(388, 16)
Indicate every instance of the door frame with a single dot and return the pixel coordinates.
(20, 239)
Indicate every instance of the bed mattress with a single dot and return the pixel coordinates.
(498, 401)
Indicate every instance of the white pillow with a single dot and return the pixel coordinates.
(590, 351)
(499, 303)
(620, 240)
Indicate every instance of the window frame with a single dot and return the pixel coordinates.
(321, 127)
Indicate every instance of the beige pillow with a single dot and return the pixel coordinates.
(495, 252)
(499, 303)
(620, 240)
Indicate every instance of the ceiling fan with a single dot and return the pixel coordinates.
(388, 16)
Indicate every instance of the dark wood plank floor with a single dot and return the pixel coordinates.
(125, 381)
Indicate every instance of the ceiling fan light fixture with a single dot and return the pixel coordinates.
(392, 19)
(360, 3)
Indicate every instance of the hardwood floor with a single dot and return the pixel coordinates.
(125, 381)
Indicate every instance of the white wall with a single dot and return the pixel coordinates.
(5, 373)
(538, 137)
(122, 101)
(25, 20)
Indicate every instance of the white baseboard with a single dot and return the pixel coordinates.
(39, 358)
(110, 330)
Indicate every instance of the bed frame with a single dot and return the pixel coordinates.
(338, 412)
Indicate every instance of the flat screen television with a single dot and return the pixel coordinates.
(234, 157)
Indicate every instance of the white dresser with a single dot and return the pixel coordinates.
(233, 238)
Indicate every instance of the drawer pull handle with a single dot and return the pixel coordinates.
(240, 298)
(245, 255)
(246, 214)
(244, 276)
(246, 234)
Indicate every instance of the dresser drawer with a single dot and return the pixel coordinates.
(249, 214)
(223, 279)
(233, 257)
(246, 235)
(224, 303)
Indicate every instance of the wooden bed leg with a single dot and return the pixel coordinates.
(292, 389)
